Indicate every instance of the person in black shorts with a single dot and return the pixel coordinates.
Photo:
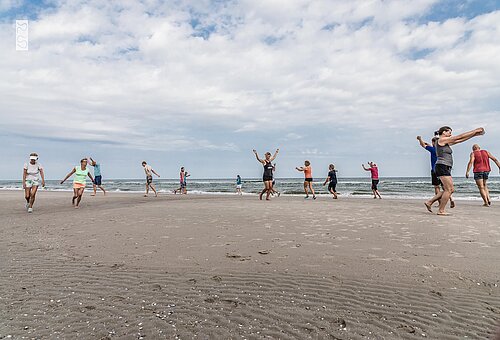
(267, 177)
(331, 179)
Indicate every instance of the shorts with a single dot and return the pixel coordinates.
(149, 179)
(267, 178)
(435, 179)
(308, 180)
(374, 184)
(31, 183)
(98, 180)
(442, 170)
(183, 185)
(78, 185)
(481, 175)
(238, 186)
(332, 186)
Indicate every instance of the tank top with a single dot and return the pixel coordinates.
(268, 169)
(308, 172)
(481, 161)
(80, 175)
(444, 155)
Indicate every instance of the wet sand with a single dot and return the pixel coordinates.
(227, 267)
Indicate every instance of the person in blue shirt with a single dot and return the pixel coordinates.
(238, 185)
(97, 176)
(432, 150)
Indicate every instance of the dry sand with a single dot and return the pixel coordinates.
(228, 267)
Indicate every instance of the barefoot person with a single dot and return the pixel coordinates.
(79, 181)
(432, 150)
(32, 172)
(149, 178)
(273, 188)
(444, 164)
(374, 175)
(182, 181)
(308, 179)
(332, 180)
(267, 177)
(97, 177)
(238, 185)
(480, 159)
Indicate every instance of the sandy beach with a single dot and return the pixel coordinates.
(227, 267)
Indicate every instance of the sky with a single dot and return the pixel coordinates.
(201, 83)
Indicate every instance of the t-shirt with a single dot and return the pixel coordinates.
(308, 172)
(33, 171)
(333, 176)
(374, 171)
(434, 156)
(148, 170)
(80, 175)
(97, 169)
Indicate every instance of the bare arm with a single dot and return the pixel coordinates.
(68, 175)
(461, 137)
(90, 176)
(299, 169)
(155, 172)
(471, 161)
(42, 174)
(326, 180)
(25, 172)
(257, 156)
(275, 154)
(421, 142)
(365, 168)
(494, 160)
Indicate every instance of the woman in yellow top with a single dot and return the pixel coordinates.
(81, 172)
(308, 180)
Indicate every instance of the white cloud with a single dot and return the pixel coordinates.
(113, 72)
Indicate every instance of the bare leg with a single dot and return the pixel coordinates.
(487, 192)
(263, 191)
(79, 196)
(95, 190)
(32, 195)
(312, 190)
(305, 189)
(269, 187)
(75, 196)
(448, 190)
(147, 190)
(27, 195)
(154, 190)
(104, 191)
(481, 186)
(378, 194)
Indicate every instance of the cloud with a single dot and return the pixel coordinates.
(120, 72)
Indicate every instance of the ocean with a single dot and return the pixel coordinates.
(394, 187)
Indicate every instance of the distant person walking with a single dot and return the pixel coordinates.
(273, 189)
(149, 178)
(444, 164)
(97, 177)
(375, 180)
(267, 177)
(183, 175)
(331, 179)
(32, 172)
(480, 160)
(79, 181)
(308, 179)
(238, 185)
(434, 178)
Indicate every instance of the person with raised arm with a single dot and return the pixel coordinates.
(480, 159)
(97, 177)
(444, 164)
(432, 150)
(79, 181)
(308, 179)
(267, 177)
(372, 167)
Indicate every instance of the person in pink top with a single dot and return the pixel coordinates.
(374, 174)
(480, 161)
